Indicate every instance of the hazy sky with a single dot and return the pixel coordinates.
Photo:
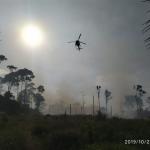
(114, 57)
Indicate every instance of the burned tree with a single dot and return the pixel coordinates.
(139, 93)
(39, 99)
(98, 87)
(107, 95)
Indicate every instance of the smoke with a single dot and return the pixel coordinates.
(120, 84)
(3, 72)
(64, 93)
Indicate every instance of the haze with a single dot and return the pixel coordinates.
(114, 57)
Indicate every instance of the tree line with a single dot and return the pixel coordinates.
(18, 85)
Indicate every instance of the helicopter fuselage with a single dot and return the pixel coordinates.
(77, 43)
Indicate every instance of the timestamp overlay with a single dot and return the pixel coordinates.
(137, 141)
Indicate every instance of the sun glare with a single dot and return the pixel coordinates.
(32, 35)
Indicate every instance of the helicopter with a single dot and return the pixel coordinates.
(78, 43)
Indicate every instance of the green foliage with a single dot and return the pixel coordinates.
(100, 116)
(36, 132)
(38, 100)
(2, 58)
(11, 68)
(39, 131)
(41, 88)
(8, 95)
(110, 146)
(12, 140)
(12, 107)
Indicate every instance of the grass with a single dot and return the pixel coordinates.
(37, 132)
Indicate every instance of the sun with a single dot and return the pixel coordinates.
(32, 35)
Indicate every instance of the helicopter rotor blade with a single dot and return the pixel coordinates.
(147, 40)
(71, 42)
(79, 36)
(82, 42)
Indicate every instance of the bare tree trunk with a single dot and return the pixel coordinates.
(93, 107)
(25, 95)
(17, 92)
(70, 110)
(99, 101)
(106, 105)
(111, 111)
